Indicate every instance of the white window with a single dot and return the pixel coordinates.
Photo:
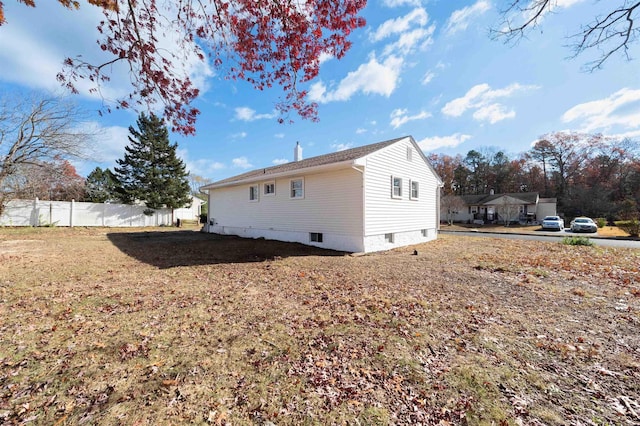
(388, 238)
(269, 188)
(473, 209)
(297, 188)
(315, 237)
(415, 189)
(253, 192)
(396, 187)
(409, 153)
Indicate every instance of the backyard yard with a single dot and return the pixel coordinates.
(173, 326)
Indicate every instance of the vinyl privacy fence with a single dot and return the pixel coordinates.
(71, 213)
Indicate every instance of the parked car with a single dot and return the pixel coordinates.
(583, 224)
(553, 222)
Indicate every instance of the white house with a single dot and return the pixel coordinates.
(364, 199)
(523, 207)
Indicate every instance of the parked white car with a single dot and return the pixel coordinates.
(553, 222)
(583, 224)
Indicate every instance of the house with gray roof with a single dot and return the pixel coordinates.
(520, 207)
(370, 198)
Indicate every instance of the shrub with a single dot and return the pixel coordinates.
(577, 241)
(601, 222)
(631, 227)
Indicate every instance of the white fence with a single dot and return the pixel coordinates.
(71, 213)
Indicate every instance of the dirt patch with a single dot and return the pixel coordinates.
(170, 327)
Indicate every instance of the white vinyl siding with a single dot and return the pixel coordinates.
(332, 204)
(384, 214)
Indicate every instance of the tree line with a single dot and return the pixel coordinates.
(589, 174)
(40, 135)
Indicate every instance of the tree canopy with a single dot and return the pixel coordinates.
(100, 186)
(588, 174)
(150, 171)
(263, 42)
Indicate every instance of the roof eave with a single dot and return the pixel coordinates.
(295, 172)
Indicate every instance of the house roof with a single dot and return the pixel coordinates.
(320, 160)
(526, 197)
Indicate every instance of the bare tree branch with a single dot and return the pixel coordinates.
(609, 34)
(35, 130)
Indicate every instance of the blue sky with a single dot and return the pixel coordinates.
(423, 68)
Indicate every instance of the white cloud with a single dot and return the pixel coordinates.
(621, 108)
(493, 113)
(426, 79)
(107, 146)
(248, 114)
(201, 166)
(35, 42)
(279, 135)
(481, 98)
(342, 146)
(420, 38)
(435, 142)
(400, 117)
(360, 131)
(324, 57)
(400, 25)
(370, 78)
(397, 3)
(239, 135)
(241, 162)
(459, 19)
(279, 161)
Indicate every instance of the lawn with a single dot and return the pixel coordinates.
(166, 326)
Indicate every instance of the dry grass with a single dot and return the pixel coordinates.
(171, 327)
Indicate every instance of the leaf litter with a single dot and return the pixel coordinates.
(173, 327)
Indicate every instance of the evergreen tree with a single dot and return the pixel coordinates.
(100, 186)
(150, 171)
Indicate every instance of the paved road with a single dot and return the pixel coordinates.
(549, 236)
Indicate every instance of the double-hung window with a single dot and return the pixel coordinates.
(396, 187)
(269, 188)
(296, 188)
(253, 192)
(415, 190)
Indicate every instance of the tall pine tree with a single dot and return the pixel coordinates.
(150, 171)
(99, 186)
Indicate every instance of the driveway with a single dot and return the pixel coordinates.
(550, 236)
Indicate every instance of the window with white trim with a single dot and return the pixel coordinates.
(415, 189)
(315, 237)
(253, 192)
(396, 187)
(296, 188)
(269, 188)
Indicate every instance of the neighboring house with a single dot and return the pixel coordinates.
(522, 207)
(370, 198)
